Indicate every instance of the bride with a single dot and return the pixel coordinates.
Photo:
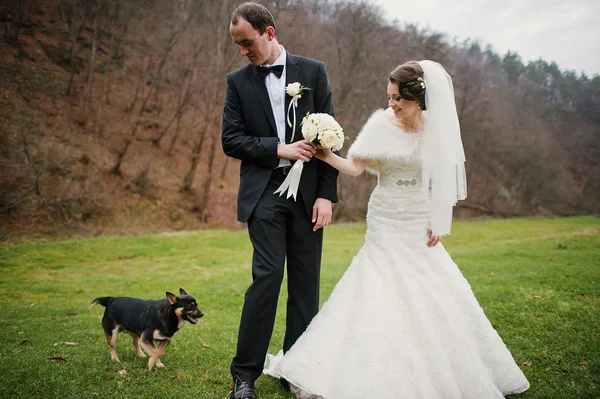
(403, 322)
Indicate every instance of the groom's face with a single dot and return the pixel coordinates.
(253, 45)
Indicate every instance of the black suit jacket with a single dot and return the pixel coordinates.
(250, 134)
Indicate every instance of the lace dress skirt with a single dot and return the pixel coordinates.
(402, 322)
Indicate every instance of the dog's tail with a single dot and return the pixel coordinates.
(100, 301)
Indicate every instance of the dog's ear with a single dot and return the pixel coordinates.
(182, 292)
(171, 298)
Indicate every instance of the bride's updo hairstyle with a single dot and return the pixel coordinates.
(409, 78)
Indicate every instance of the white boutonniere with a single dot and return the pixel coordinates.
(295, 91)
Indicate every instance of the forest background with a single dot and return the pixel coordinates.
(110, 113)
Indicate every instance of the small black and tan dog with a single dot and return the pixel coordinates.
(148, 322)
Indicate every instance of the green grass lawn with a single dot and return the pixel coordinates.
(537, 279)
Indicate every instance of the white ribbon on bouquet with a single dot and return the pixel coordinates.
(292, 181)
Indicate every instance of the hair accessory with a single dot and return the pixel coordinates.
(418, 80)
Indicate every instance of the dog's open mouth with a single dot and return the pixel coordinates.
(191, 319)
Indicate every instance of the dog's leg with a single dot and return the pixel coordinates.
(152, 351)
(112, 344)
(136, 344)
(162, 347)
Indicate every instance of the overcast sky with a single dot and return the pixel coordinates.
(567, 32)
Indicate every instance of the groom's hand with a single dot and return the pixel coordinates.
(321, 213)
(301, 150)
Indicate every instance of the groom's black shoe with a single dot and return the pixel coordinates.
(242, 390)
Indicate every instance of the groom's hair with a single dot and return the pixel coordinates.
(256, 14)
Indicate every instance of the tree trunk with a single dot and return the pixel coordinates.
(74, 33)
(188, 180)
(177, 126)
(183, 98)
(15, 26)
(104, 94)
(138, 86)
(116, 170)
(209, 178)
(73, 37)
(224, 169)
(92, 63)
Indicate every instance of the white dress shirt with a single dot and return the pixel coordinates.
(276, 90)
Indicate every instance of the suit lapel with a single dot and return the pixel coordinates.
(292, 69)
(263, 97)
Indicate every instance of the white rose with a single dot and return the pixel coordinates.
(328, 122)
(326, 119)
(334, 138)
(339, 142)
(329, 140)
(293, 89)
(309, 130)
(310, 118)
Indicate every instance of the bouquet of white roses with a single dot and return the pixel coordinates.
(323, 130)
(320, 129)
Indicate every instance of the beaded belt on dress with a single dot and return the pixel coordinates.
(400, 181)
(407, 182)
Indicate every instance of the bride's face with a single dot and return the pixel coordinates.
(403, 109)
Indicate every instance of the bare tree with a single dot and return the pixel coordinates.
(210, 95)
(12, 14)
(530, 131)
(172, 40)
(74, 14)
(98, 8)
(184, 85)
(104, 92)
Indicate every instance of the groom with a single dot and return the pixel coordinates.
(255, 131)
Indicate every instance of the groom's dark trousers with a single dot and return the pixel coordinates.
(280, 229)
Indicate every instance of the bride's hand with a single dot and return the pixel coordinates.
(433, 238)
(322, 153)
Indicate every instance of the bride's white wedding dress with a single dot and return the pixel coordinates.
(403, 321)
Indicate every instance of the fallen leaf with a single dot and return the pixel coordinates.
(24, 340)
(57, 358)
(492, 274)
(125, 256)
(122, 373)
(537, 297)
(71, 343)
(205, 345)
(528, 364)
(31, 348)
(583, 364)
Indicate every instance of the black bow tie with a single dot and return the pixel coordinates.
(263, 71)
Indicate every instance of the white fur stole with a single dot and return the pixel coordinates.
(381, 140)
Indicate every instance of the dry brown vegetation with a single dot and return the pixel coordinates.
(110, 113)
